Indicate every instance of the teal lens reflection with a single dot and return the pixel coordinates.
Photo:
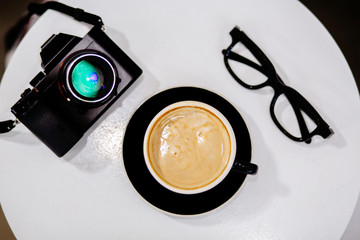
(87, 79)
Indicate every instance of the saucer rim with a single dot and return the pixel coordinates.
(160, 100)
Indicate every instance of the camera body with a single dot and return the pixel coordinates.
(82, 78)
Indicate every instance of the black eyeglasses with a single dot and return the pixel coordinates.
(298, 103)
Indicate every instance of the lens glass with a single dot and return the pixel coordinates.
(285, 115)
(87, 79)
(245, 73)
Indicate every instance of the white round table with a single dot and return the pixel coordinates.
(302, 191)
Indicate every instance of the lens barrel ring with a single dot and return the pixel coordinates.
(100, 62)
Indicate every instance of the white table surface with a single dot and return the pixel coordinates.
(300, 192)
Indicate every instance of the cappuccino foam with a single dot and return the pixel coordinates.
(189, 147)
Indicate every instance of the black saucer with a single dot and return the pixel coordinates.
(148, 187)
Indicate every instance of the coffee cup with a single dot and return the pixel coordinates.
(190, 147)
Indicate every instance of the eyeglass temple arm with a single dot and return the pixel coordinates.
(236, 57)
(301, 121)
(239, 58)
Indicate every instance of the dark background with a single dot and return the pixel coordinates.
(340, 17)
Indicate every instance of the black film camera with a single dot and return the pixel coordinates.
(82, 77)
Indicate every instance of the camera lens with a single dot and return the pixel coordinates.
(87, 79)
(90, 78)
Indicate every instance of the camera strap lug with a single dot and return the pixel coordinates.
(40, 76)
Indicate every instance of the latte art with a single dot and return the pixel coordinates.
(189, 147)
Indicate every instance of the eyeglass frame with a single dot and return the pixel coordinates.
(296, 100)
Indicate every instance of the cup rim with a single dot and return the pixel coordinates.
(228, 127)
